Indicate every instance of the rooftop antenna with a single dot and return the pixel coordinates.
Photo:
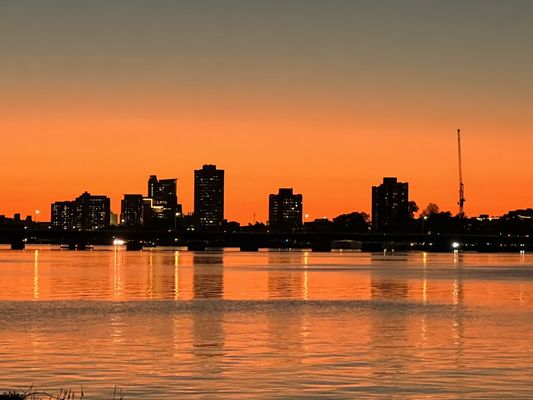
(461, 185)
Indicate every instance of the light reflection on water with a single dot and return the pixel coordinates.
(177, 324)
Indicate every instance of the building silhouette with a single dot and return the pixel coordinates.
(16, 222)
(209, 198)
(161, 207)
(153, 186)
(64, 215)
(86, 213)
(285, 211)
(132, 210)
(390, 205)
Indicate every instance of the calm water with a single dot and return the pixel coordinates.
(267, 325)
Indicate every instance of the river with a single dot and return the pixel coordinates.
(173, 324)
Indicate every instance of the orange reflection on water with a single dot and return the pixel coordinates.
(475, 280)
(177, 324)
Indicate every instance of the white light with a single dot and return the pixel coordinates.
(456, 245)
(118, 242)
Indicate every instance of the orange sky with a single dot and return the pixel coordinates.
(332, 159)
(324, 99)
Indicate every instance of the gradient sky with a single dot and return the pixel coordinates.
(323, 96)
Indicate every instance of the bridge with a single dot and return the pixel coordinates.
(252, 241)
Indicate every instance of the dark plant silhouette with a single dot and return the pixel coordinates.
(64, 394)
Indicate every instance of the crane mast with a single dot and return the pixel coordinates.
(461, 185)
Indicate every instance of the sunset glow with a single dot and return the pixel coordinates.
(327, 100)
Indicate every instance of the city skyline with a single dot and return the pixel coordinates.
(161, 203)
(266, 198)
(117, 208)
(325, 97)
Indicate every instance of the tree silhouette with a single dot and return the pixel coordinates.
(412, 208)
(353, 222)
(430, 209)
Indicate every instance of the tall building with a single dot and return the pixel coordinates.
(64, 215)
(285, 211)
(153, 186)
(132, 210)
(86, 213)
(209, 197)
(390, 205)
(161, 205)
(94, 212)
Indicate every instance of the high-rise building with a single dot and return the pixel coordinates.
(285, 211)
(95, 212)
(161, 205)
(209, 197)
(64, 215)
(86, 213)
(163, 192)
(390, 205)
(132, 210)
(153, 186)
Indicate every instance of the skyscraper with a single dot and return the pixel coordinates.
(153, 186)
(209, 197)
(64, 215)
(86, 213)
(390, 205)
(285, 211)
(163, 199)
(132, 210)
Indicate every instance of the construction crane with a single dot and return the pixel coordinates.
(461, 185)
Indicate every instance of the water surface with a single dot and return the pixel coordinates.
(171, 324)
